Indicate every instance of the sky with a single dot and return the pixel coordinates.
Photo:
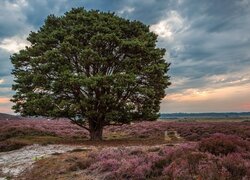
(207, 43)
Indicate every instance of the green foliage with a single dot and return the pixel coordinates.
(96, 64)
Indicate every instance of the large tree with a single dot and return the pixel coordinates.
(92, 67)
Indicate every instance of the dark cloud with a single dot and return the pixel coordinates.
(5, 63)
(216, 42)
(12, 19)
(146, 11)
(6, 79)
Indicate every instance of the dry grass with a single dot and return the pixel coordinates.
(60, 166)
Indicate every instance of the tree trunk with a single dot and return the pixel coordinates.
(96, 134)
(95, 131)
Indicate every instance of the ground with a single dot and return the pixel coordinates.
(145, 150)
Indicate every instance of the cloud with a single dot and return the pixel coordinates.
(126, 10)
(12, 18)
(13, 44)
(211, 52)
(207, 44)
(170, 26)
(5, 63)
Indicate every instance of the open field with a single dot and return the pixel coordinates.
(241, 119)
(189, 150)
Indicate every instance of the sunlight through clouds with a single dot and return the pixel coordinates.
(168, 27)
(13, 44)
(1, 81)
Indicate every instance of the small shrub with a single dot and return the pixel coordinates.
(157, 167)
(218, 144)
(236, 166)
(193, 160)
(210, 169)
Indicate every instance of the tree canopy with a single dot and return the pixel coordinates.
(92, 67)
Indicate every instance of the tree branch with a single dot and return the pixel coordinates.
(77, 123)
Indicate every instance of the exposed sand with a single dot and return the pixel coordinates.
(13, 163)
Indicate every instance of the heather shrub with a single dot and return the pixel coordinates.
(16, 132)
(197, 165)
(173, 153)
(61, 128)
(185, 166)
(158, 166)
(193, 160)
(237, 167)
(192, 131)
(177, 170)
(211, 169)
(220, 144)
(123, 163)
(136, 163)
(134, 168)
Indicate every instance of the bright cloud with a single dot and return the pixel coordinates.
(168, 27)
(178, 81)
(13, 44)
(126, 10)
(17, 4)
(189, 95)
(230, 79)
(1, 81)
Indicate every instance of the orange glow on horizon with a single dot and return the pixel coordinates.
(223, 99)
(246, 106)
(4, 100)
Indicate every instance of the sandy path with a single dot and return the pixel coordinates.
(13, 163)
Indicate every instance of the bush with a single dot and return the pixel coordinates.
(123, 163)
(236, 166)
(220, 144)
(177, 162)
(20, 131)
(186, 166)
